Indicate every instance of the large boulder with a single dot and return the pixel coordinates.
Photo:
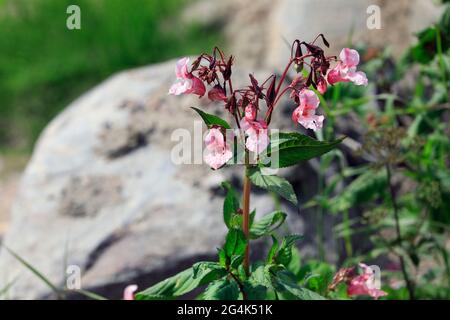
(101, 192)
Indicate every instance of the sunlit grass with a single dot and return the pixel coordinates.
(44, 66)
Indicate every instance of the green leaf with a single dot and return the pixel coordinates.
(201, 273)
(273, 250)
(255, 291)
(267, 224)
(222, 257)
(366, 187)
(284, 255)
(291, 148)
(261, 276)
(286, 286)
(90, 295)
(5, 289)
(236, 261)
(273, 183)
(235, 243)
(36, 272)
(230, 204)
(317, 275)
(211, 119)
(223, 289)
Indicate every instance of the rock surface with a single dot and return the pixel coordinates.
(260, 32)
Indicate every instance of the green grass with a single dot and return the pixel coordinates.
(44, 66)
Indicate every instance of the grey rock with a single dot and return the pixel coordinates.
(259, 33)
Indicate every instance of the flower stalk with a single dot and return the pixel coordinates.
(246, 214)
(408, 281)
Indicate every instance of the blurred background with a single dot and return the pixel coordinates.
(85, 123)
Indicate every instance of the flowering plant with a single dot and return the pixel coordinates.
(252, 144)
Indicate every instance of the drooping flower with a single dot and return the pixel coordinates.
(217, 94)
(217, 152)
(250, 112)
(257, 134)
(365, 284)
(186, 82)
(128, 293)
(305, 113)
(322, 85)
(345, 70)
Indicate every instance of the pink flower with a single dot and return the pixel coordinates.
(217, 151)
(257, 134)
(322, 85)
(250, 112)
(217, 94)
(186, 82)
(365, 284)
(345, 70)
(305, 112)
(128, 293)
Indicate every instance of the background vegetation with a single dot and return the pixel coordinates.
(43, 67)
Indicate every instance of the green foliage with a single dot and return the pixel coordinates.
(44, 66)
(235, 243)
(211, 120)
(284, 254)
(291, 148)
(285, 283)
(201, 273)
(223, 289)
(273, 183)
(267, 224)
(230, 204)
(364, 188)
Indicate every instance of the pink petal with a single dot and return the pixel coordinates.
(334, 75)
(349, 57)
(181, 69)
(214, 139)
(359, 78)
(217, 94)
(257, 140)
(250, 112)
(181, 86)
(128, 293)
(198, 87)
(322, 86)
(217, 158)
(217, 151)
(313, 122)
(309, 99)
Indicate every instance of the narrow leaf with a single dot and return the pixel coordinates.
(36, 272)
(230, 204)
(211, 119)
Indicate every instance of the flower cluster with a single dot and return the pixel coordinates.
(252, 106)
(363, 284)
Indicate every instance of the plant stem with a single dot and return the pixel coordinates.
(246, 214)
(347, 236)
(409, 283)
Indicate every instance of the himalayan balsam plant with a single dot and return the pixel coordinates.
(251, 108)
